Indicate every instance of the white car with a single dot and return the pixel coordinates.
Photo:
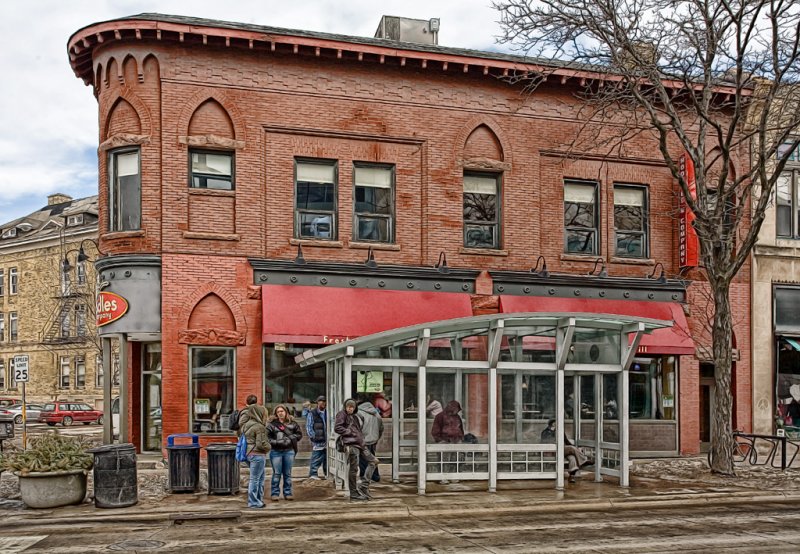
(31, 412)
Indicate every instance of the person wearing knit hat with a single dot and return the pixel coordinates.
(347, 426)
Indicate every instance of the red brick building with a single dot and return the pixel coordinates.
(263, 191)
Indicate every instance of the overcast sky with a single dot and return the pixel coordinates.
(48, 118)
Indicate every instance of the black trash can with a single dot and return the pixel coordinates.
(184, 463)
(115, 480)
(223, 469)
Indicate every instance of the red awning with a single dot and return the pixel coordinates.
(673, 340)
(320, 315)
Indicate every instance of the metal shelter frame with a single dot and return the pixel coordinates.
(563, 336)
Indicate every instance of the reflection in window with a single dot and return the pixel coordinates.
(652, 388)
(374, 203)
(315, 200)
(481, 211)
(289, 384)
(580, 217)
(125, 191)
(211, 170)
(213, 396)
(630, 222)
(788, 208)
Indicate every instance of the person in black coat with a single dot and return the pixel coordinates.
(283, 434)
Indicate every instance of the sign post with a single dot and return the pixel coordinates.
(21, 375)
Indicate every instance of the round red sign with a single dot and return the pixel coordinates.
(110, 307)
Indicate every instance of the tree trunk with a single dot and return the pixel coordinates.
(722, 442)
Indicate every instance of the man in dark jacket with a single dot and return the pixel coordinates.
(347, 426)
(317, 430)
(448, 427)
(252, 419)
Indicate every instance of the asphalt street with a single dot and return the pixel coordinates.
(742, 528)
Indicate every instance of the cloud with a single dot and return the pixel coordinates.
(49, 135)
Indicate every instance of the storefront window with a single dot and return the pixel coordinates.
(652, 389)
(213, 394)
(289, 384)
(787, 383)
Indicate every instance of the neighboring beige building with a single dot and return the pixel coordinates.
(47, 291)
(776, 309)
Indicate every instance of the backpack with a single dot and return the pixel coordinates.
(241, 449)
(233, 422)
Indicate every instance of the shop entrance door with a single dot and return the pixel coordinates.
(707, 389)
(151, 397)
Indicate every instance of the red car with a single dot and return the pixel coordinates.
(67, 413)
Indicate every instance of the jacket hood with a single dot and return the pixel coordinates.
(367, 407)
(257, 413)
(453, 407)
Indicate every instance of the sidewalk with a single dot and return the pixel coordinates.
(318, 499)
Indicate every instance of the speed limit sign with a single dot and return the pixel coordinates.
(21, 369)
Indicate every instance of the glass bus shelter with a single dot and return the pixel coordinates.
(510, 374)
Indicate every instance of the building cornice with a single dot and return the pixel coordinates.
(212, 33)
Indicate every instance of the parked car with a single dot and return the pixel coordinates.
(31, 412)
(67, 413)
(8, 401)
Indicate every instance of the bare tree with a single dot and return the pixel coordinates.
(714, 79)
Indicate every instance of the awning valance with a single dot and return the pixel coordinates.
(321, 315)
(673, 340)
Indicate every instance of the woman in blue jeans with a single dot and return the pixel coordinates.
(252, 422)
(283, 435)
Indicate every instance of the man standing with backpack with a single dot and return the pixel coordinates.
(252, 426)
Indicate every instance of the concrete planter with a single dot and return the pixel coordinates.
(52, 489)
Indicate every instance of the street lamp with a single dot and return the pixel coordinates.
(66, 267)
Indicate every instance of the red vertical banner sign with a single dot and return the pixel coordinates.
(688, 245)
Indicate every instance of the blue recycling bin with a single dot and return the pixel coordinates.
(184, 463)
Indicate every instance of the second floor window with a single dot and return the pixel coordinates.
(80, 272)
(630, 221)
(80, 372)
(481, 210)
(580, 217)
(2, 283)
(125, 191)
(80, 320)
(13, 330)
(315, 200)
(12, 384)
(787, 217)
(211, 170)
(13, 281)
(65, 323)
(2, 326)
(2, 374)
(374, 204)
(64, 373)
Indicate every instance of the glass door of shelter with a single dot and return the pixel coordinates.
(151, 397)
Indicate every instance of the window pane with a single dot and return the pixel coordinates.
(127, 164)
(316, 225)
(579, 193)
(129, 202)
(211, 164)
(373, 228)
(315, 173)
(581, 242)
(629, 218)
(578, 215)
(630, 245)
(783, 193)
(213, 397)
(480, 184)
(480, 236)
(315, 196)
(373, 177)
(374, 200)
(480, 207)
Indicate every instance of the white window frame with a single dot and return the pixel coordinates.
(80, 273)
(13, 327)
(2, 327)
(13, 281)
(80, 370)
(74, 220)
(99, 375)
(2, 375)
(12, 384)
(2, 282)
(644, 234)
(65, 366)
(203, 175)
(358, 215)
(333, 215)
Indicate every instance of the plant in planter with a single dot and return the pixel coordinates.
(52, 472)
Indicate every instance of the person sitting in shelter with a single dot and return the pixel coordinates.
(382, 404)
(448, 428)
(575, 458)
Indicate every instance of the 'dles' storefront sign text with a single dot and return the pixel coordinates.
(110, 307)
